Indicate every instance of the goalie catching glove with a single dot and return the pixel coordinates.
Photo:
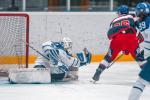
(84, 57)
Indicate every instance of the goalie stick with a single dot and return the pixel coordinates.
(35, 50)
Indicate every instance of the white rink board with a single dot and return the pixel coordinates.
(115, 84)
(86, 29)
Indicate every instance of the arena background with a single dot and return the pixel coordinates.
(86, 29)
(85, 21)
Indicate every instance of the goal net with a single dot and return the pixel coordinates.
(14, 37)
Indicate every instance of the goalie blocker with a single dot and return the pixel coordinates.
(29, 75)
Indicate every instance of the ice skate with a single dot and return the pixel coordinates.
(98, 72)
(97, 75)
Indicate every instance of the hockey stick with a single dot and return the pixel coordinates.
(35, 49)
(60, 29)
(115, 60)
(61, 32)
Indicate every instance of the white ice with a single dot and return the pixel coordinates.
(115, 84)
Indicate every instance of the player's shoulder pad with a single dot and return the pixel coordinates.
(58, 45)
(48, 43)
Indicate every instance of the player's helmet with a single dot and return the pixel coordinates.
(67, 43)
(123, 9)
(142, 9)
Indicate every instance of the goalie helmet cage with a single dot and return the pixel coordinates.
(14, 39)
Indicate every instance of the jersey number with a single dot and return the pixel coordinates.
(142, 26)
(122, 23)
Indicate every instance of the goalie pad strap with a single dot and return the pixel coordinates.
(73, 68)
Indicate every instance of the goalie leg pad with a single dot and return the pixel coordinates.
(29, 75)
(73, 73)
(57, 76)
(39, 66)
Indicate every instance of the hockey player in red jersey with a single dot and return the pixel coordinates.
(122, 36)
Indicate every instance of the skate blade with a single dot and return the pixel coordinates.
(93, 81)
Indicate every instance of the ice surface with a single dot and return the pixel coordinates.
(115, 84)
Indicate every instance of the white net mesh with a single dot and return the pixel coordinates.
(13, 39)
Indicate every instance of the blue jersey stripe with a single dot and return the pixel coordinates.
(147, 48)
(147, 41)
(54, 54)
(46, 50)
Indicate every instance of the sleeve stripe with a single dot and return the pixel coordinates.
(46, 50)
(45, 46)
(147, 41)
(54, 54)
(138, 88)
(147, 48)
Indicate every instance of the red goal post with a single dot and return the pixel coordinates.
(14, 39)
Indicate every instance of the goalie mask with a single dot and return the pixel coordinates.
(67, 43)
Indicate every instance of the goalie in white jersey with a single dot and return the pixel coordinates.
(62, 64)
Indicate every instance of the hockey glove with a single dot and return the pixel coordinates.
(140, 56)
(140, 37)
(84, 57)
